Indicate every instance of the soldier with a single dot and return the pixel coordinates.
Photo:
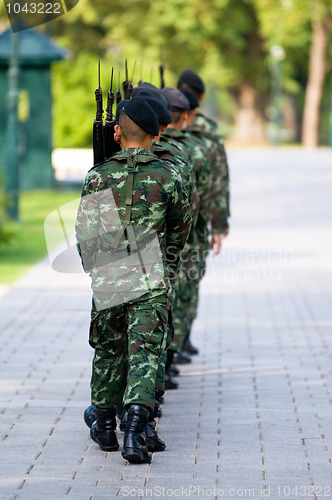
(206, 131)
(130, 307)
(176, 153)
(200, 201)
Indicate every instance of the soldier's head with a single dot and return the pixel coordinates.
(163, 115)
(137, 124)
(153, 90)
(194, 103)
(190, 80)
(179, 107)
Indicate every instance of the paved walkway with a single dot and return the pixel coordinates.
(253, 415)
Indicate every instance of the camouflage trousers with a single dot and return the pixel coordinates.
(192, 270)
(129, 340)
(160, 379)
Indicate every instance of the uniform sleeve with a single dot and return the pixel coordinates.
(220, 190)
(88, 222)
(178, 225)
(203, 180)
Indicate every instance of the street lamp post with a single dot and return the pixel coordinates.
(278, 55)
(11, 148)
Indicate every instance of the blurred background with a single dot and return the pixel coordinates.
(266, 65)
(241, 48)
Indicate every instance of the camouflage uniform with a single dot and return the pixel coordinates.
(172, 154)
(130, 336)
(184, 309)
(175, 143)
(204, 131)
(207, 130)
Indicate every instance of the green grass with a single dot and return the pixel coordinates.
(27, 244)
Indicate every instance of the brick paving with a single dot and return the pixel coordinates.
(252, 417)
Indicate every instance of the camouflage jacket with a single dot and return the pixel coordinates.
(173, 154)
(194, 158)
(207, 130)
(159, 226)
(203, 176)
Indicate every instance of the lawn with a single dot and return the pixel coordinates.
(27, 244)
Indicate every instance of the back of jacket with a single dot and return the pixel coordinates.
(125, 268)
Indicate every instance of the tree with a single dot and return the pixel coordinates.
(321, 19)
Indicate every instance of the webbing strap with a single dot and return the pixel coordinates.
(127, 227)
(131, 164)
(129, 197)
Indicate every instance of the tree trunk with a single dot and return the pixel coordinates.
(314, 88)
(249, 119)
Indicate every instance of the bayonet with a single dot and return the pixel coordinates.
(161, 70)
(110, 102)
(98, 135)
(126, 83)
(118, 95)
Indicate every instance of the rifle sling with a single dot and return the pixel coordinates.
(131, 164)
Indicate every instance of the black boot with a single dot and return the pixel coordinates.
(170, 383)
(123, 420)
(103, 429)
(134, 443)
(153, 442)
(157, 412)
(90, 415)
(119, 411)
(181, 359)
(189, 348)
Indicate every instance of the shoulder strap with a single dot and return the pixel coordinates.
(127, 227)
(131, 164)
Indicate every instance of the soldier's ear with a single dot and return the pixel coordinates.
(117, 134)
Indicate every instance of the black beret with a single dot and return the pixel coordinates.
(158, 107)
(142, 114)
(148, 87)
(193, 101)
(192, 80)
(119, 108)
(178, 101)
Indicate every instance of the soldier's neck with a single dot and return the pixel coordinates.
(136, 144)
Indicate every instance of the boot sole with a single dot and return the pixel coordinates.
(152, 447)
(115, 447)
(136, 457)
(108, 448)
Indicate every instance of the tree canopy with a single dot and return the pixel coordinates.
(227, 41)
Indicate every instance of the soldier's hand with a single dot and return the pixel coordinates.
(216, 243)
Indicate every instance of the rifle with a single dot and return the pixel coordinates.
(161, 70)
(118, 95)
(140, 80)
(127, 86)
(98, 136)
(111, 146)
(130, 84)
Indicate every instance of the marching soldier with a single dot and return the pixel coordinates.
(126, 201)
(206, 131)
(181, 108)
